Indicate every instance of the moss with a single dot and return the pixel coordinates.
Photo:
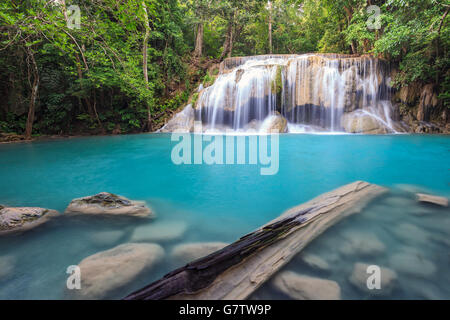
(277, 87)
(194, 98)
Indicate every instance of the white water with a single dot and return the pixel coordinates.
(316, 92)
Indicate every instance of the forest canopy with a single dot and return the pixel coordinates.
(129, 64)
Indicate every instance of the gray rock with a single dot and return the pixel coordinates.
(413, 263)
(159, 231)
(361, 244)
(306, 288)
(7, 264)
(109, 270)
(183, 121)
(106, 203)
(315, 262)
(359, 278)
(191, 251)
(410, 233)
(23, 218)
(104, 238)
(427, 198)
(274, 122)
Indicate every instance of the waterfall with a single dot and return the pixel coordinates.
(313, 92)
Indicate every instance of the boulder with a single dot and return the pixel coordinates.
(359, 278)
(413, 263)
(306, 288)
(275, 122)
(159, 231)
(17, 219)
(361, 244)
(183, 121)
(315, 262)
(7, 264)
(192, 251)
(107, 271)
(359, 122)
(427, 198)
(106, 203)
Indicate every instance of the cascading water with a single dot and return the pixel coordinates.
(313, 92)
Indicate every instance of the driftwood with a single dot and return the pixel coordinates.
(237, 270)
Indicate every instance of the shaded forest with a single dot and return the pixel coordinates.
(125, 66)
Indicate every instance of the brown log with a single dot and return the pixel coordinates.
(237, 270)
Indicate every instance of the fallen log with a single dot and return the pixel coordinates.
(237, 270)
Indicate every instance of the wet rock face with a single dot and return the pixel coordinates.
(306, 288)
(275, 123)
(107, 271)
(23, 218)
(183, 121)
(108, 204)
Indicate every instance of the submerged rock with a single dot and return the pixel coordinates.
(109, 270)
(104, 238)
(440, 201)
(16, 219)
(7, 264)
(359, 276)
(275, 122)
(362, 244)
(306, 288)
(409, 233)
(191, 251)
(159, 231)
(315, 262)
(412, 263)
(108, 204)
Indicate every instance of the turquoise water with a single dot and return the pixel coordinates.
(217, 203)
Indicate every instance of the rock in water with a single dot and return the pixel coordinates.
(440, 201)
(275, 122)
(358, 122)
(7, 264)
(306, 288)
(412, 263)
(315, 262)
(191, 251)
(409, 233)
(362, 244)
(109, 270)
(359, 276)
(108, 204)
(104, 238)
(23, 218)
(159, 231)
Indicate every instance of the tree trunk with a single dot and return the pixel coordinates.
(270, 27)
(144, 62)
(199, 41)
(228, 44)
(34, 91)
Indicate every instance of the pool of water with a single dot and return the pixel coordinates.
(213, 202)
